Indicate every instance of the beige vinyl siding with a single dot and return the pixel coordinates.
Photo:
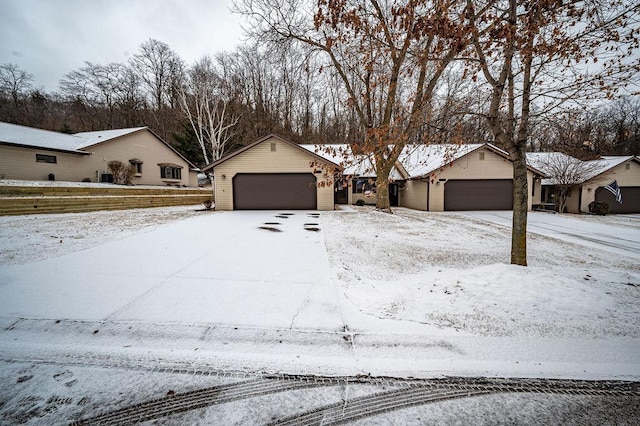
(260, 159)
(20, 163)
(573, 201)
(414, 195)
(367, 199)
(144, 146)
(619, 173)
(470, 167)
(534, 194)
(530, 183)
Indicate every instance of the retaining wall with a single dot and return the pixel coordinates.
(17, 200)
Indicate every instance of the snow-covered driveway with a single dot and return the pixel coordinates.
(217, 268)
(593, 232)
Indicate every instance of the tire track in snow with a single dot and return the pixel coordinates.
(178, 403)
(407, 393)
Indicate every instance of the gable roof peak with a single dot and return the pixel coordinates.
(258, 142)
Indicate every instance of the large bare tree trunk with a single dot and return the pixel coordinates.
(384, 163)
(382, 191)
(520, 208)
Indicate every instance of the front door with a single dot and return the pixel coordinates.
(393, 194)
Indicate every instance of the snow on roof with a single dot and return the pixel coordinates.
(28, 136)
(92, 138)
(421, 160)
(540, 160)
(417, 160)
(607, 163)
(549, 162)
(353, 165)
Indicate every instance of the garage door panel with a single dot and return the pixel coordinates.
(630, 199)
(274, 191)
(488, 194)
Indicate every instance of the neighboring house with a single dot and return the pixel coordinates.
(34, 154)
(462, 177)
(358, 178)
(273, 173)
(441, 177)
(625, 170)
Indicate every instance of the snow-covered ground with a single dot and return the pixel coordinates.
(331, 293)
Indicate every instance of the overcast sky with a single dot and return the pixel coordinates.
(49, 38)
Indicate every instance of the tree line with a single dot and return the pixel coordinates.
(286, 91)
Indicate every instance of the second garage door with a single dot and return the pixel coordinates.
(630, 199)
(274, 191)
(491, 194)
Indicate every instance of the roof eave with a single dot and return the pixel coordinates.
(41, 148)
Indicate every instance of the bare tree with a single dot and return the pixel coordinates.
(158, 67)
(207, 111)
(564, 172)
(389, 57)
(14, 81)
(535, 55)
(110, 93)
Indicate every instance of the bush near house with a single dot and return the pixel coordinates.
(122, 175)
(599, 208)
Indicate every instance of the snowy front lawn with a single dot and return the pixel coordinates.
(451, 271)
(411, 294)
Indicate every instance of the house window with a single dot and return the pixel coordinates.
(627, 166)
(106, 178)
(42, 158)
(137, 164)
(273, 147)
(482, 156)
(363, 186)
(170, 172)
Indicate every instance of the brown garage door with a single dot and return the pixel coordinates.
(491, 194)
(630, 199)
(274, 191)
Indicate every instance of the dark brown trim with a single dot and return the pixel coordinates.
(579, 199)
(428, 193)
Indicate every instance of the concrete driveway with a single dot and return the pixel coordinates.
(222, 268)
(593, 232)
